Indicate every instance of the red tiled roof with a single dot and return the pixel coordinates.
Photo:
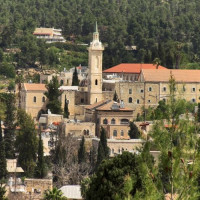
(180, 75)
(134, 68)
(35, 87)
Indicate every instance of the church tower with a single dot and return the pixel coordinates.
(95, 68)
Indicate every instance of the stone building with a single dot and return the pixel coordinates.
(113, 116)
(50, 35)
(65, 77)
(127, 71)
(118, 146)
(33, 99)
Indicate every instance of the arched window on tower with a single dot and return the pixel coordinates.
(105, 121)
(113, 121)
(96, 82)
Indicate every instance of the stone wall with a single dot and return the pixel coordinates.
(118, 146)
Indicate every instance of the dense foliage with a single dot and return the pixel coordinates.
(163, 29)
(26, 143)
(52, 94)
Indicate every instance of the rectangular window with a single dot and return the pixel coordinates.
(130, 91)
(138, 101)
(149, 89)
(193, 89)
(164, 89)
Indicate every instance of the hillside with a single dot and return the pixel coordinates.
(165, 29)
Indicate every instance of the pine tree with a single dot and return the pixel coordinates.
(53, 94)
(40, 168)
(115, 97)
(103, 150)
(3, 170)
(66, 109)
(9, 123)
(81, 151)
(133, 132)
(75, 80)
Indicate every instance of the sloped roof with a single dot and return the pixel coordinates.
(95, 105)
(43, 31)
(108, 106)
(185, 76)
(134, 68)
(72, 191)
(35, 87)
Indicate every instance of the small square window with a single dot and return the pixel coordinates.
(150, 89)
(193, 89)
(149, 101)
(141, 91)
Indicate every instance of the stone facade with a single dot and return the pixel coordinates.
(38, 186)
(111, 116)
(78, 128)
(33, 99)
(118, 146)
(95, 69)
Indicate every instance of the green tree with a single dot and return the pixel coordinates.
(52, 94)
(81, 151)
(198, 113)
(3, 192)
(40, 170)
(66, 109)
(3, 171)
(26, 143)
(103, 150)
(75, 80)
(115, 97)
(9, 132)
(178, 143)
(54, 194)
(134, 133)
(122, 177)
(19, 80)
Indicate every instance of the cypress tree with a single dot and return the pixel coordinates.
(26, 143)
(198, 113)
(115, 97)
(133, 132)
(66, 110)
(9, 132)
(52, 94)
(81, 151)
(75, 81)
(103, 150)
(40, 168)
(3, 170)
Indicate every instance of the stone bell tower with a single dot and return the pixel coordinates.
(95, 68)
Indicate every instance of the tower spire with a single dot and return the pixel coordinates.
(96, 33)
(96, 28)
